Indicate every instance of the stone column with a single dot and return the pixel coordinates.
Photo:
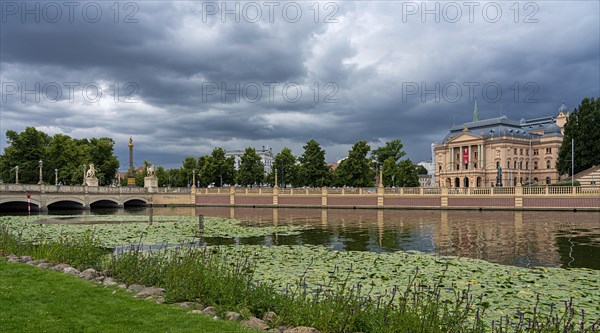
(380, 189)
(444, 197)
(519, 196)
(232, 195)
(470, 157)
(324, 196)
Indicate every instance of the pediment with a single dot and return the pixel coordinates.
(464, 137)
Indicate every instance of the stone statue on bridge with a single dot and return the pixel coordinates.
(90, 176)
(91, 172)
(150, 181)
(150, 170)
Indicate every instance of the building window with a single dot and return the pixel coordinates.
(515, 165)
(527, 165)
(548, 150)
(508, 165)
(527, 151)
(548, 164)
(535, 165)
(521, 151)
(515, 151)
(547, 180)
(536, 152)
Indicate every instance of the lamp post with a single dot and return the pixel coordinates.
(41, 163)
(16, 174)
(572, 161)
(520, 164)
(55, 176)
(376, 174)
(194, 178)
(282, 181)
(83, 181)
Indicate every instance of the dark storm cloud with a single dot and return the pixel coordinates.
(353, 74)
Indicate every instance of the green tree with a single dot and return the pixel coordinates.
(218, 168)
(583, 125)
(188, 165)
(24, 150)
(313, 170)
(251, 170)
(162, 176)
(391, 149)
(61, 152)
(421, 170)
(406, 175)
(390, 172)
(203, 162)
(285, 166)
(101, 153)
(174, 178)
(68, 157)
(356, 170)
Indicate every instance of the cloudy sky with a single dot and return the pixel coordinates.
(185, 77)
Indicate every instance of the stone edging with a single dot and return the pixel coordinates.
(156, 294)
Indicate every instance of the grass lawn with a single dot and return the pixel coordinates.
(39, 300)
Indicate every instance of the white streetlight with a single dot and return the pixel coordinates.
(16, 174)
(572, 161)
(41, 163)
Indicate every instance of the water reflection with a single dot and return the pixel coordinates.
(564, 239)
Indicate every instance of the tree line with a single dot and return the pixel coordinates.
(358, 169)
(583, 125)
(68, 156)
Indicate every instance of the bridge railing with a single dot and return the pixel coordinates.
(70, 188)
(418, 191)
(172, 190)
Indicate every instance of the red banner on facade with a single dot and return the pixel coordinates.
(465, 156)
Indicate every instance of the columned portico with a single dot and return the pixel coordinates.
(522, 151)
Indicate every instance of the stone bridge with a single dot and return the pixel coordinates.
(44, 197)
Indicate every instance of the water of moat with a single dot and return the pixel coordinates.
(527, 239)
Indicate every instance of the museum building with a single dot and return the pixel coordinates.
(500, 151)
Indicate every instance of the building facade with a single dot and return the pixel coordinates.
(265, 154)
(427, 180)
(501, 152)
(589, 177)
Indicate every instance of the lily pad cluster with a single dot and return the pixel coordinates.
(502, 290)
(125, 230)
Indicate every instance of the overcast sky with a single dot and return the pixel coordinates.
(192, 76)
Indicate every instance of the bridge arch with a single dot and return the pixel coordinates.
(66, 203)
(67, 199)
(17, 205)
(135, 202)
(104, 203)
(7, 200)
